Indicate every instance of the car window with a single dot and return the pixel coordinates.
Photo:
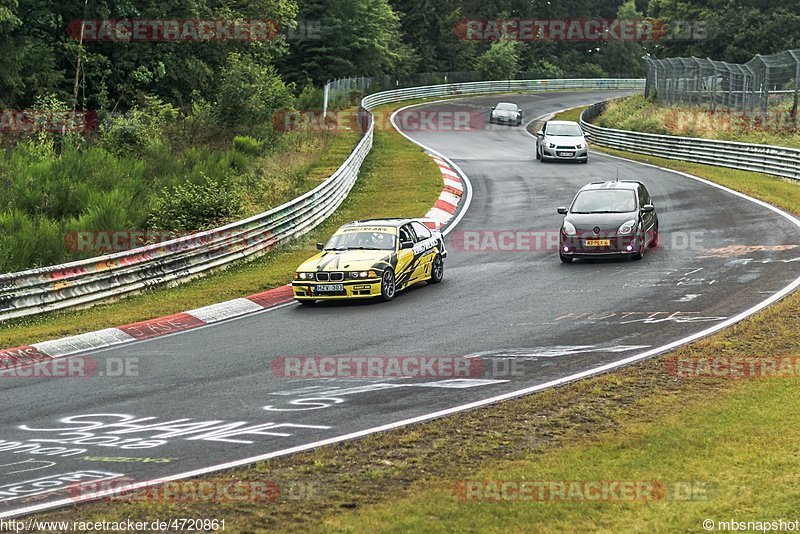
(406, 234)
(605, 201)
(647, 197)
(566, 130)
(421, 231)
(367, 240)
(642, 196)
(506, 107)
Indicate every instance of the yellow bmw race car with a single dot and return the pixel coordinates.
(374, 258)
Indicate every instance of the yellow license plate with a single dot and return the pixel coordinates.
(598, 242)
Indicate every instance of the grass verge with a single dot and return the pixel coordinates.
(734, 442)
(409, 189)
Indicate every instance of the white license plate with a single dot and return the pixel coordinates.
(566, 154)
(328, 288)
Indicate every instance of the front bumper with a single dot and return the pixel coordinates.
(566, 154)
(576, 247)
(505, 120)
(351, 289)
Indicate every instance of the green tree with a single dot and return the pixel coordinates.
(500, 61)
(358, 38)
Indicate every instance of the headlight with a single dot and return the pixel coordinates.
(627, 227)
(304, 276)
(569, 228)
(579, 146)
(363, 274)
(551, 145)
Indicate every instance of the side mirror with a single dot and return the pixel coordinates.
(587, 134)
(405, 245)
(492, 108)
(320, 246)
(562, 210)
(648, 208)
(540, 133)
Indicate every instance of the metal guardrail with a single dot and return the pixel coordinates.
(775, 160)
(87, 281)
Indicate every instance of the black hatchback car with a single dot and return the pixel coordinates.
(614, 218)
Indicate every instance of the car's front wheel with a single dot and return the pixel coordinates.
(437, 270)
(639, 254)
(388, 288)
(565, 259)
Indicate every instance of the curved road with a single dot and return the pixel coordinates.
(199, 399)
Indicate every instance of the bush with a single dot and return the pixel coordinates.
(248, 145)
(191, 206)
(500, 61)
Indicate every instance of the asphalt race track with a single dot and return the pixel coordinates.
(211, 397)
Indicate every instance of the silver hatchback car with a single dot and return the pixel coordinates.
(562, 140)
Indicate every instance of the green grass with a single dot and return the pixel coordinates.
(641, 115)
(409, 189)
(739, 439)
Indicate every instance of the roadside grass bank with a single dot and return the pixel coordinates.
(776, 127)
(397, 179)
(731, 445)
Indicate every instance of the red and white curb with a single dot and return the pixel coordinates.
(152, 328)
(446, 205)
(443, 211)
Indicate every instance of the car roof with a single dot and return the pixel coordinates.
(613, 184)
(380, 222)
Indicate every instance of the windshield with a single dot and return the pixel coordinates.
(565, 130)
(604, 201)
(506, 107)
(361, 241)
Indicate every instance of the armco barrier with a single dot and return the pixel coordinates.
(83, 282)
(780, 161)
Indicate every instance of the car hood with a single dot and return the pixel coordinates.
(607, 223)
(347, 260)
(564, 139)
(503, 113)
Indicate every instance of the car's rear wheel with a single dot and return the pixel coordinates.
(437, 270)
(565, 259)
(388, 288)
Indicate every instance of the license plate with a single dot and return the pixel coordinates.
(598, 242)
(328, 288)
(566, 154)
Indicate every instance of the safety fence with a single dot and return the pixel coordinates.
(779, 161)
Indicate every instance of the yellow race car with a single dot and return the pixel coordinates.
(374, 258)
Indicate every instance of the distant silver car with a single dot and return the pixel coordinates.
(506, 113)
(562, 140)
